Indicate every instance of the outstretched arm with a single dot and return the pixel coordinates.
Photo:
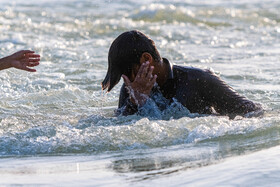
(22, 60)
(225, 100)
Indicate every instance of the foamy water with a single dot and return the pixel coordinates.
(58, 128)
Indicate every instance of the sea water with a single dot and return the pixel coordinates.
(58, 128)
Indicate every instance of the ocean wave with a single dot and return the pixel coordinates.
(100, 134)
(170, 13)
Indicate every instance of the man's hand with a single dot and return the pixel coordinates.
(23, 60)
(140, 88)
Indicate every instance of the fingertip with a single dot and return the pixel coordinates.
(124, 77)
(126, 80)
(29, 69)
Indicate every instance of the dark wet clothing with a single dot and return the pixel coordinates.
(200, 91)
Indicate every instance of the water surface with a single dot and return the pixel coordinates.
(57, 127)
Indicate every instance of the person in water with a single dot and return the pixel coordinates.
(134, 57)
(22, 60)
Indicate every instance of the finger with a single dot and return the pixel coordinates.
(153, 81)
(126, 80)
(33, 64)
(29, 62)
(28, 69)
(33, 60)
(26, 51)
(150, 71)
(31, 55)
(140, 71)
(150, 84)
(145, 69)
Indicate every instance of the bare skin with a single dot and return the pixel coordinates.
(22, 60)
(140, 88)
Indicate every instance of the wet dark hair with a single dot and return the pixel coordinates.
(124, 55)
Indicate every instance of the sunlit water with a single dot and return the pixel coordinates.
(58, 128)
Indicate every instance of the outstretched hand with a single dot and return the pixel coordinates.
(140, 88)
(23, 60)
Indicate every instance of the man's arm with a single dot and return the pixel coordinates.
(126, 107)
(225, 100)
(21, 60)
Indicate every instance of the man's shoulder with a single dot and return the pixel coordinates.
(192, 71)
